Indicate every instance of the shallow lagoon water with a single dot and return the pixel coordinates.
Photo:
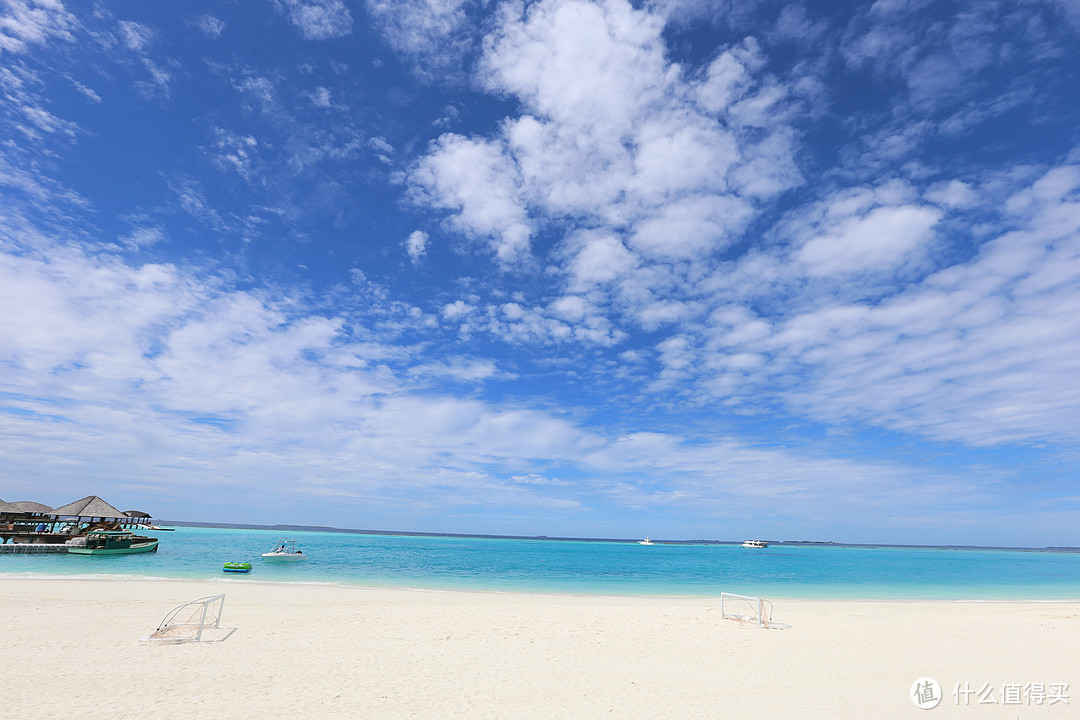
(590, 567)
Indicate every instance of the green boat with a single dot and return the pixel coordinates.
(115, 542)
(240, 567)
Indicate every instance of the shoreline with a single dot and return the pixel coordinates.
(235, 581)
(345, 652)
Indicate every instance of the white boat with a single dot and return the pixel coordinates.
(285, 550)
(646, 541)
(755, 544)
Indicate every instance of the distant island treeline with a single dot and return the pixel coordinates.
(417, 533)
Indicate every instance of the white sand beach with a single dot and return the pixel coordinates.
(71, 649)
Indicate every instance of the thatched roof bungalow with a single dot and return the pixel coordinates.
(33, 508)
(90, 507)
(7, 508)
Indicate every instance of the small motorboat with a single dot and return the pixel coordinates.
(240, 567)
(646, 541)
(755, 544)
(285, 550)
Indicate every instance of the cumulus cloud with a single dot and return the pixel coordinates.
(882, 238)
(979, 352)
(416, 245)
(640, 163)
(598, 257)
(456, 310)
(476, 179)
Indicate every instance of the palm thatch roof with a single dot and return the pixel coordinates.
(90, 506)
(30, 506)
(136, 514)
(9, 509)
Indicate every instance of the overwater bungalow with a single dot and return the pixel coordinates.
(34, 509)
(9, 512)
(28, 522)
(136, 517)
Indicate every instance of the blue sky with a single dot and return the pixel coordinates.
(685, 269)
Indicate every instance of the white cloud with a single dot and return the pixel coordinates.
(456, 310)
(86, 91)
(139, 40)
(953, 59)
(795, 25)
(152, 374)
(320, 97)
(44, 121)
(27, 22)
(384, 151)
(260, 90)
(235, 152)
(318, 19)
(730, 76)
(210, 376)
(881, 239)
(647, 169)
(690, 227)
(416, 245)
(478, 181)
(211, 26)
(598, 257)
(434, 35)
(591, 65)
(136, 36)
(980, 352)
(570, 307)
(953, 194)
(456, 368)
(681, 153)
(380, 144)
(143, 237)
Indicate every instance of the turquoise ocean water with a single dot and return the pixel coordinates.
(580, 567)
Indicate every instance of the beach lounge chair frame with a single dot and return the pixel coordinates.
(187, 622)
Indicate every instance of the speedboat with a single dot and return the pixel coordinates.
(646, 541)
(114, 542)
(285, 550)
(755, 544)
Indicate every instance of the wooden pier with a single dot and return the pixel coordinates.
(11, 548)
